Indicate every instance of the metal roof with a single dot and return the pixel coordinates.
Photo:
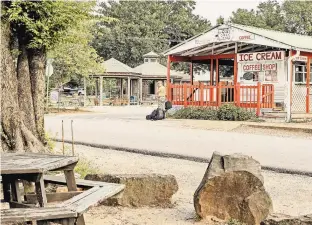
(114, 66)
(155, 69)
(242, 38)
(151, 54)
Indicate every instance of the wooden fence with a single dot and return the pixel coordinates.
(245, 96)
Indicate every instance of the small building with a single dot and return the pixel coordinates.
(151, 72)
(249, 67)
(134, 85)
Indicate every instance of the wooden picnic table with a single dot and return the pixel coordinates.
(31, 167)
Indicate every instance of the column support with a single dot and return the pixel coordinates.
(129, 93)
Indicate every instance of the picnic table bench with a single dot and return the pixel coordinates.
(30, 167)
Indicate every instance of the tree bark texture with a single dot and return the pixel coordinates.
(16, 131)
(37, 59)
(24, 90)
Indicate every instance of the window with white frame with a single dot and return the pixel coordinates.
(301, 73)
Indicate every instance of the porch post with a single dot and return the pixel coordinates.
(235, 69)
(168, 79)
(211, 81)
(141, 89)
(129, 93)
(101, 90)
(121, 88)
(308, 85)
(191, 73)
(217, 72)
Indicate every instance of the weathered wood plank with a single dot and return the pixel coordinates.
(14, 163)
(80, 220)
(70, 180)
(80, 182)
(31, 214)
(40, 191)
(16, 192)
(6, 188)
(53, 197)
(14, 204)
(92, 197)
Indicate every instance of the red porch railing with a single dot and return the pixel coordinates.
(245, 96)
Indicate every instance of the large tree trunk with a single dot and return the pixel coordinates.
(15, 136)
(24, 90)
(37, 58)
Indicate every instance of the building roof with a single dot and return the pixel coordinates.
(156, 70)
(240, 37)
(114, 66)
(151, 54)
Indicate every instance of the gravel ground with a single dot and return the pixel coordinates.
(290, 194)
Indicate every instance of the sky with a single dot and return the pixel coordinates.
(212, 9)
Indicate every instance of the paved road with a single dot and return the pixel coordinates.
(124, 129)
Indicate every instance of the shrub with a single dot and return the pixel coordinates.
(234, 113)
(225, 112)
(196, 113)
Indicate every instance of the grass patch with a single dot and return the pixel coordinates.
(84, 167)
(225, 113)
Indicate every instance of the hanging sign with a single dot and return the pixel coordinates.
(252, 67)
(224, 34)
(301, 59)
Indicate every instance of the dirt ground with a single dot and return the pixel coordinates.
(291, 194)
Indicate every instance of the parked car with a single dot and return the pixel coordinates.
(81, 91)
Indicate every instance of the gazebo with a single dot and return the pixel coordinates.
(152, 71)
(115, 69)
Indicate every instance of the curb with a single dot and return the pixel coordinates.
(177, 156)
(298, 129)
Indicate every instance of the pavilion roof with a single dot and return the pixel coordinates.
(224, 39)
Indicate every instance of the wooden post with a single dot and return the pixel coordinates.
(258, 98)
(201, 94)
(6, 188)
(219, 90)
(191, 73)
(308, 85)
(70, 180)
(129, 92)
(168, 79)
(235, 69)
(185, 94)
(238, 94)
(138, 92)
(121, 88)
(101, 90)
(40, 191)
(16, 193)
(217, 72)
(211, 81)
(141, 90)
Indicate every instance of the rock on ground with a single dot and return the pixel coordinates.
(141, 189)
(280, 219)
(232, 188)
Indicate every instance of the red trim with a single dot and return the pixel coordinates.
(191, 73)
(235, 69)
(179, 58)
(308, 54)
(224, 56)
(308, 85)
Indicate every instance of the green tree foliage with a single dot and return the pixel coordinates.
(290, 16)
(143, 26)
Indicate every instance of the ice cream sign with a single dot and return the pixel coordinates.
(260, 61)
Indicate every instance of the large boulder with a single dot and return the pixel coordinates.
(232, 188)
(280, 219)
(140, 190)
